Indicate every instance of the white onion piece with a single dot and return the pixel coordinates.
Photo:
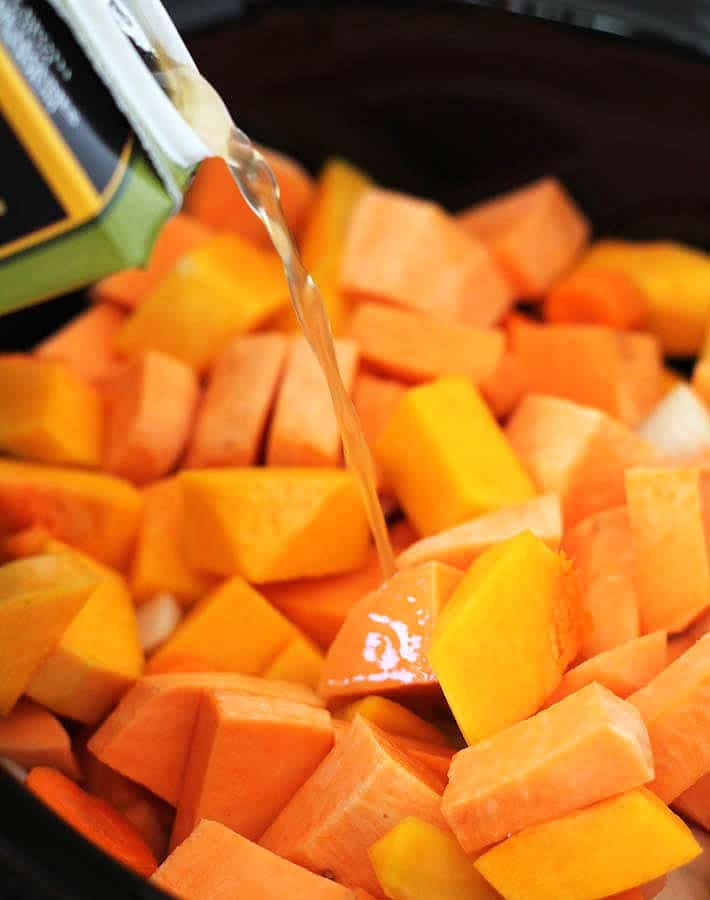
(679, 426)
(157, 619)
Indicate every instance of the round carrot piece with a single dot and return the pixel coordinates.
(597, 297)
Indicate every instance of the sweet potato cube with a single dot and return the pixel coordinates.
(416, 348)
(40, 597)
(147, 737)
(304, 430)
(590, 365)
(338, 191)
(177, 237)
(375, 400)
(446, 430)
(159, 564)
(506, 636)
(668, 511)
(583, 749)
(601, 547)
(48, 413)
(393, 718)
(460, 545)
(364, 787)
(383, 644)
(98, 656)
(577, 452)
(535, 233)
(215, 863)
(86, 343)
(149, 410)
(416, 860)
(676, 711)
(643, 840)
(248, 757)
(597, 296)
(273, 524)
(624, 669)
(319, 606)
(409, 252)
(31, 736)
(237, 402)
(694, 802)
(223, 288)
(96, 513)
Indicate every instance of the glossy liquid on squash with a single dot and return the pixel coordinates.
(202, 108)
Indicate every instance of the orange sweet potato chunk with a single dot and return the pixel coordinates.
(86, 343)
(602, 548)
(676, 709)
(694, 802)
(584, 749)
(214, 863)
(597, 296)
(304, 430)
(383, 643)
(414, 347)
(31, 736)
(248, 756)
(237, 402)
(577, 452)
(375, 399)
(364, 787)
(150, 408)
(409, 252)
(535, 233)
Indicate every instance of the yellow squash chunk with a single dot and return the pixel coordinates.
(274, 524)
(224, 287)
(39, 597)
(506, 636)
(604, 849)
(419, 861)
(234, 629)
(393, 718)
(445, 429)
(159, 563)
(97, 513)
(99, 655)
(48, 413)
(338, 191)
(676, 282)
(300, 661)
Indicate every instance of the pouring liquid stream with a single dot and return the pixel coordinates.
(203, 109)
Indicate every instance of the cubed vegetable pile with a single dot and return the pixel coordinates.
(201, 669)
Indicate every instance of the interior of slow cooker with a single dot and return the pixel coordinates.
(451, 102)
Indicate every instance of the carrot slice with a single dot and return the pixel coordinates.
(460, 545)
(319, 606)
(439, 268)
(365, 786)
(592, 365)
(215, 200)
(31, 736)
(147, 737)
(577, 452)
(129, 288)
(86, 343)
(584, 749)
(248, 757)
(565, 857)
(150, 407)
(602, 548)
(93, 817)
(535, 233)
(597, 297)
(676, 711)
(623, 669)
(304, 430)
(159, 564)
(414, 347)
(668, 509)
(237, 402)
(214, 863)
(383, 644)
